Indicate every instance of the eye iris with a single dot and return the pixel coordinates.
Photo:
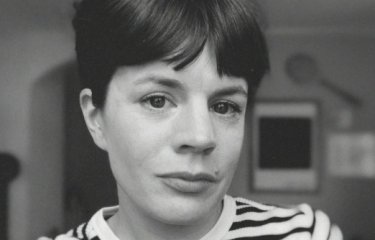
(157, 102)
(221, 108)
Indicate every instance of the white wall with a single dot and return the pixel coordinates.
(35, 38)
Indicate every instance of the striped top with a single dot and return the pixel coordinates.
(255, 221)
(241, 219)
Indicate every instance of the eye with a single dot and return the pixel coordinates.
(157, 101)
(226, 108)
(221, 108)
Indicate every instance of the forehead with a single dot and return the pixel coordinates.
(201, 73)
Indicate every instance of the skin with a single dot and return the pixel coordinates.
(161, 128)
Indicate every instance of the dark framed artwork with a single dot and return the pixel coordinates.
(285, 140)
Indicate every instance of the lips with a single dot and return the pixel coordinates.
(186, 182)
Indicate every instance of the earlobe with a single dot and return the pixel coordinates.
(93, 118)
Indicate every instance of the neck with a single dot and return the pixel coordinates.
(130, 224)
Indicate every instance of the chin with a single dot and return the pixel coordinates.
(187, 211)
(184, 218)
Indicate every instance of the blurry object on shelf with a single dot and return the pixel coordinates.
(352, 154)
(9, 169)
(303, 69)
(285, 138)
(341, 118)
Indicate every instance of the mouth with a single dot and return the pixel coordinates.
(186, 182)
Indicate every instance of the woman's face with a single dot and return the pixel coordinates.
(174, 137)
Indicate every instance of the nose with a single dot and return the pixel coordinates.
(195, 130)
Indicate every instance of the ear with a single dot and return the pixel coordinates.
(93, 118)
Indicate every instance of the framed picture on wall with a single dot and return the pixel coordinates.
(285, 138)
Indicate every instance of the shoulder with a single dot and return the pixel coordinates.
(253, 219)
(95, 229)
(77, 233)
(91, 230)
(84, 231)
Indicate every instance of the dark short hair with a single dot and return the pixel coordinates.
(114, 33)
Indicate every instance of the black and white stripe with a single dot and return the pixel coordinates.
(244, 220)
(255, 221)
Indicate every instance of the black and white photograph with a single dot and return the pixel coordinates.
(187, 120)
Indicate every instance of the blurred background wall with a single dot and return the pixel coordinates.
(36, 65)
(348, 61)
(340, 37)
(35, 38)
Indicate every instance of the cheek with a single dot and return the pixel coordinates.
(229, 151)
(134, 142)
(132, 157)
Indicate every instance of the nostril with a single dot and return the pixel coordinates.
(185, 149)
(201, 149)
(209, 150)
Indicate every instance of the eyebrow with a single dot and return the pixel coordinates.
(166, 82)
(175, 84)
(229, 91)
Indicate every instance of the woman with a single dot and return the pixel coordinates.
(166, 87)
